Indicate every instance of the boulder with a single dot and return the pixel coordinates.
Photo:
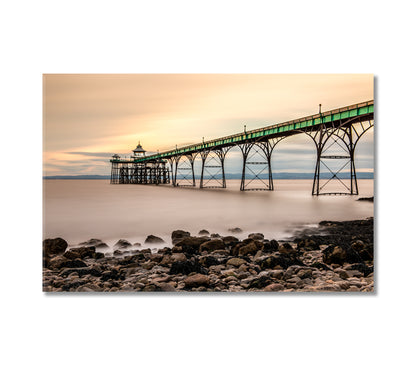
(212, 245)
(203, 232)
(286, 249)
(80, 252)
(178, 235)
(338, 255)
(57, 262)
(235, 261)
(256, 236)
(122, 244)
(250, 248)
(235, 230)
(55, 246)
(196, 280)
(230, 241)
(190, 244)
(152, 239)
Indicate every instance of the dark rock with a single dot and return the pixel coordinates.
(338, 255)
(274, 244)
(212, 245)
(98, 255)
(75, 263)
(57, 262)
(72, 254)
(215, 236)
(122, 244)
(55, 246)
(208, 261)
(91, 242)
(80, 271)
(111, 274)
(284, 261)
(307, 244)
(230, 241)
(235, 230)
(134, 259)
(361, 267)
(260, 282)
(287, 249)
(191, 244)
(203, 232)
(80, 252)
(251, 248)
(178, 235)
(152, 239)
(187, 267)
(256, 236)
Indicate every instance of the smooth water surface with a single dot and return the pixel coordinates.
(78, 210)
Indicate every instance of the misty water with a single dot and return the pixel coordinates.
(78, 210)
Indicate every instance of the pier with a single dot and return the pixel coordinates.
(335, 134)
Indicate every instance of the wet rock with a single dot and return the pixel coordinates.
(212, 245)
(287, 249)
(307, 244)
(338, 255)
(208, 261)
(230, 241)
(361, 267)
(260, 282)
(235, 230)
(178, 235)
(250, 249)
(203, 232)
(152, 239)
(283, 261)
(190, 244)
(122, 244)
(187, 267)
(80, 252)
(197, 280)
(256, 236)
(55, 246)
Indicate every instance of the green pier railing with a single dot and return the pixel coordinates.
(277, 130)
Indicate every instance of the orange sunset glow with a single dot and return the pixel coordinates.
(87, 117)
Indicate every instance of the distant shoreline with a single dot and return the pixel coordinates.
(294, 176)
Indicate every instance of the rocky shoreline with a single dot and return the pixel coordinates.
(335, 257)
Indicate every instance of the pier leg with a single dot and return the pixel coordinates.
(263, 150)
(215, 163)
(335, 147)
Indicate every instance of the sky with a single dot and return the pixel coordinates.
(89, 117)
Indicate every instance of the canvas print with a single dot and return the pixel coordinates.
(208, 183)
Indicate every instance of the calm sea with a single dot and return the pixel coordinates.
(78, 210)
